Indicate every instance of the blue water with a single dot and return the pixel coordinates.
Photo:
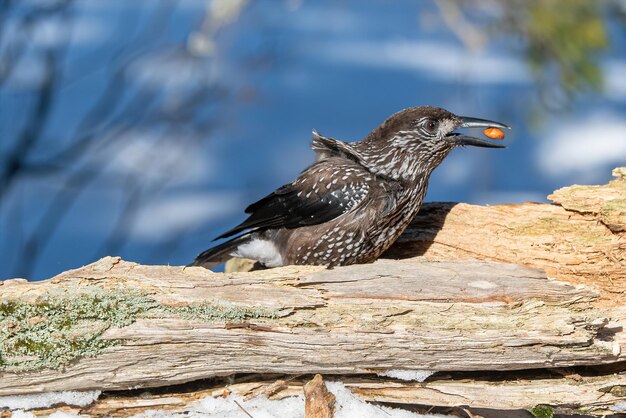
(277, 71)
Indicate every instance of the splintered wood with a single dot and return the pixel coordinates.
(319, 402)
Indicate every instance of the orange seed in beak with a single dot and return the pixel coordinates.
(494, 133)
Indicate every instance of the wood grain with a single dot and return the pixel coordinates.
(468, 288)
(470, 315)
(580, 239)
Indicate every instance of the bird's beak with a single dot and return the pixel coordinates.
(467, 122)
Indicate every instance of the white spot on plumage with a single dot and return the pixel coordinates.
(261, 250)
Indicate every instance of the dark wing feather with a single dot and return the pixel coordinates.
(323, 192)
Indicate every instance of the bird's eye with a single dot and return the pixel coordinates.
(431, 125)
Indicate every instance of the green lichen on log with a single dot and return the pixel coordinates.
(53, 329)
(59, 326)
(212, 312)
(542, 411)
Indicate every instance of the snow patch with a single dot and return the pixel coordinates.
(414, 375)
(22, 414)
(347, 405)
(46, 400)
(618, 407)
(63, 414)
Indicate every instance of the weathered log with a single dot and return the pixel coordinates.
(581, 238)
(119, 325)
(143, 325)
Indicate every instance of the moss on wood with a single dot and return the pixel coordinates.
(542, 411)
(54, 328)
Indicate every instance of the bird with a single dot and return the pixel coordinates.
(355, 200)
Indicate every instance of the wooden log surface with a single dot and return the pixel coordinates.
(469, 294)
(581, 238)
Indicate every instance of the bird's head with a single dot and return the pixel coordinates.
(419, 138)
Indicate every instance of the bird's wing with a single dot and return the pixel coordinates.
(322, 192)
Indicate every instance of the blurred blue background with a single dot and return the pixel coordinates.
(143, 128)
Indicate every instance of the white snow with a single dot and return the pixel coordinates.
(414, 375)
(22, 414)
(347, 405)
(63, 414)
(619, 407)
(45, 400)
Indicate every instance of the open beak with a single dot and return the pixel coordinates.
(467, 122)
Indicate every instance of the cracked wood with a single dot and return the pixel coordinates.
(418, 313)
(445, 316)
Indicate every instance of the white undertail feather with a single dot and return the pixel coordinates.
(261, 250)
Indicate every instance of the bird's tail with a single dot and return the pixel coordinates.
(220, 253)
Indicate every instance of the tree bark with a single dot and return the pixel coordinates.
(581, 238)
(469, 294)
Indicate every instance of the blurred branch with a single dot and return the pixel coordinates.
(562, 44)
(14, 162)
(52, 59)
(120, 108)
(470, 34)
(96, 121)
(74, 185)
